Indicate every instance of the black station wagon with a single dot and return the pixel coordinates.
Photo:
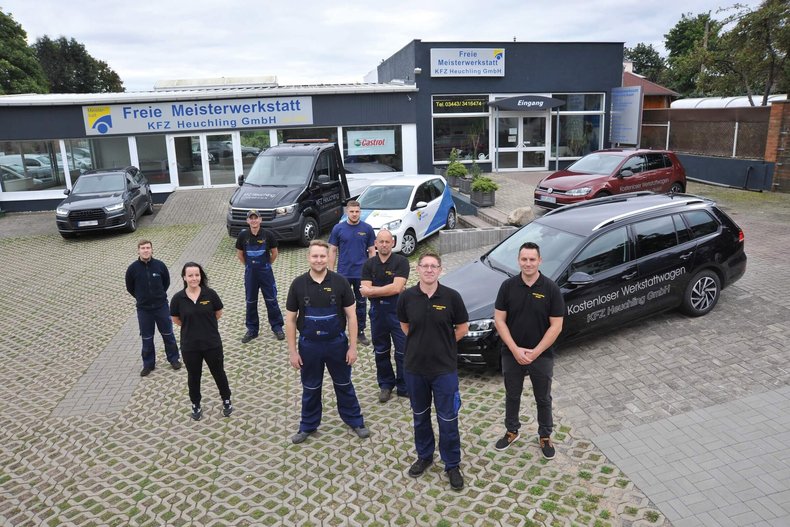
(616, 259)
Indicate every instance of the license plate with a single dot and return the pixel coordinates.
(89, 223)
(549, 199)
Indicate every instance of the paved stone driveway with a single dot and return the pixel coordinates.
(85, 441)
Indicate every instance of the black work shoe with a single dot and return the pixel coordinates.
(248, 337)
(362, 339)
(227, 407)
(456, 478)
(385, 394)
(362, 432)
(508, 439)
(280, 334)
(300, 437)
(419, 466)
(547, 447)
(176, 365)
(145, 371)
(197, 412)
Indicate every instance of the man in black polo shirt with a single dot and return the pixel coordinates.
(528, 317)
(321, 305)
(434, 319)
(383, 278)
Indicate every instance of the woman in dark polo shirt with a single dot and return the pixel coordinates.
(197, 308)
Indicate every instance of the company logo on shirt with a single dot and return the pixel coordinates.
(438, 307)
(360, 233)
(205, 302)
(388, 273)
(328, 289)
(538, 295)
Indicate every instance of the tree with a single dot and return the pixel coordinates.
(71, 69)
(688, 44)
(646, 60)
(20, 72)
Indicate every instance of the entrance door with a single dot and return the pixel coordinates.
(203, 160)
(522, 142)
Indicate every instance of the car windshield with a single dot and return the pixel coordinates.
(99, 184)
(386, 197)
(555, 247)
(272, 170)
(597, 163)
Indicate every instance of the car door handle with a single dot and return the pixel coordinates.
(686, 256)
(629, 275)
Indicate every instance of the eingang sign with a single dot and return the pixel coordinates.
(197, 115)
(467, 62)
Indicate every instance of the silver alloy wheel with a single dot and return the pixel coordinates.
(704, 293)
(409, 243)
(451, 219)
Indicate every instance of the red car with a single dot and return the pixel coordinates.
(612, 171)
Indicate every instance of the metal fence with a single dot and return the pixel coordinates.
(726, 132)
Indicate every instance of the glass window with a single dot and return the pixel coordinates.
(329, 134)
(190, 161)
(253, 142)
(381, 197)
(605, 252)
(437, 188)
(152, 156)
(468, 135)
(655, 235)
(701, 223)
(635, 164)
(580, 102)
(579, 135)
(654, 161)
(30, 165)
(372, 149)
(555, 246)
(107, 152)
(423, 194)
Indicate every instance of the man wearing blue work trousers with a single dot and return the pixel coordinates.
(320, 305)
(354, 240)
(256, 248)
(434, 319)
(147, 280)
(383, 279)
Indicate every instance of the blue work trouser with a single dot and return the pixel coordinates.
(261, 278)
(447, 399)
(540, 373)
(159, 317)
(385, 331)
(315, 355)
(362, 304)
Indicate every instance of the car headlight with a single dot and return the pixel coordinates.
(480, 328)
(579, 191)
(114, 207)
(60, 211)
(284, 211)
(393, 225)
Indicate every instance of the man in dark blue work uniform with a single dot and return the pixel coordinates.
(354, 240)
(320, 305)
(256, 248)
(434, 319)
(147, 280)
(383, 279)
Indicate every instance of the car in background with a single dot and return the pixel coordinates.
(108, 199)
(612, 171)
(246, 151)
(13, 179)
(410, 207)
(616, 259)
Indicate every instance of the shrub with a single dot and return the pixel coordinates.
(476, 171)
(456, 169)
(484, 184)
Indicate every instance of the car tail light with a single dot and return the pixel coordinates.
(741, 237)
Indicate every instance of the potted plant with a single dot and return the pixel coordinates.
(455, 170)
(483, 190)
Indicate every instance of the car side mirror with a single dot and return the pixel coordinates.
(625, 173)
(241, 179)
(580, 278)
(323, 178)
(134, 186)
(420, 205)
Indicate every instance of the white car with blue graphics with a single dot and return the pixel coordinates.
(410, 207)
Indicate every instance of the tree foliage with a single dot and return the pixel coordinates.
(71, 69)
(647, 61)
(20, 72)
(688, 44)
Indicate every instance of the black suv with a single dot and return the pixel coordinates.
(616, 259)
(106, 199)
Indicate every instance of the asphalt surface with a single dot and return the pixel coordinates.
(671, 421)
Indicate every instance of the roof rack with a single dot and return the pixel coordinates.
(688, 200)
(600, 201)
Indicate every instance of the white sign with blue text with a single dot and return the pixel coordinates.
(626, 115)
(467, 62)
(187, 116)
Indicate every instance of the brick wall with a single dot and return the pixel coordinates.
(777, 145)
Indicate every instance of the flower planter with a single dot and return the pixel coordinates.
(465, 185)
(452, 181)
(483, 199)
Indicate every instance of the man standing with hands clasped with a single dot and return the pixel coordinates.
(434, 319)
(383, 278)
(528, 317)
(257, 250)
(354, 240)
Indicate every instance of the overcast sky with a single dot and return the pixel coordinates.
(309, 41)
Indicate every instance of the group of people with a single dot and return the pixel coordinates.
(325, 319)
